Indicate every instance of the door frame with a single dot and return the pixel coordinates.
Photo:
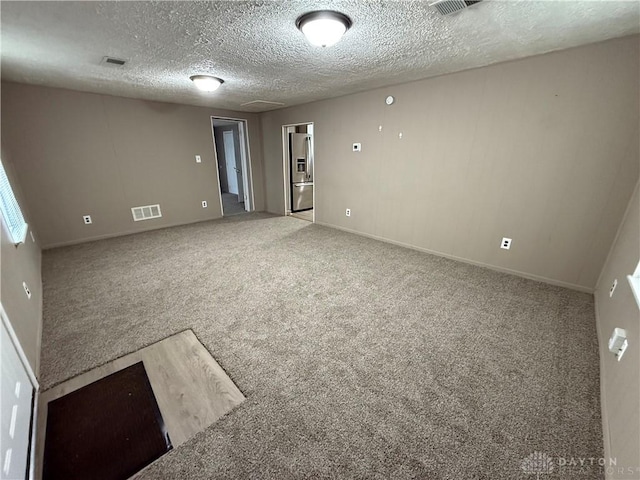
(4, 319)
(286, 162)
(245, 160)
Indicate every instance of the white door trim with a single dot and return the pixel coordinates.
(243, 133)
(16, 343)
(245, 154)
(285, 166)
(215, 158)
(34, 383)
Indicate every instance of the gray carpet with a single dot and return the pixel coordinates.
(359, 359)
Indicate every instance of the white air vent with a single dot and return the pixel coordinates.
(145, 213)
(447, 7)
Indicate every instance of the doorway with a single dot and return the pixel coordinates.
(299, 170)
(231, 145)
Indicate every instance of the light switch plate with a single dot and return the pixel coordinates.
(198, 159)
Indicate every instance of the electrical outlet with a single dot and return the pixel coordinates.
(613, 287)
(26, 289)
(198, 159)
(348, 212)
(357, 147)
(506, 243)
(87, 220)
(204, 204)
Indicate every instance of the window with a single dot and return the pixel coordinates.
(634, 281)
(11, 210)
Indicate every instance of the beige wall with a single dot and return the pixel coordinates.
(21, 264)
(81, 154)
(620, 381)
(543, 150)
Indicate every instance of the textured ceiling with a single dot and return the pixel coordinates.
(256, 48)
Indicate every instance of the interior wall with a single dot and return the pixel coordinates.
(19, 264)
(620, 380)
(543, 150)
(79, 153)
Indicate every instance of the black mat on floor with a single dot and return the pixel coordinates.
(107, 430)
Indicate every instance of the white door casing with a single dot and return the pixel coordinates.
(244, 165)
(17, 394)
(286, 159)
(243, 152)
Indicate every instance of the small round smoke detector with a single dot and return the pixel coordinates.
(389, 100)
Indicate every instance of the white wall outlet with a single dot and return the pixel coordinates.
(618, 342)
(379, 128)
(506, 243)
(357, 147)
(198, 159)
(348, 212)
(26, 289)
(87, 219)
(400, 135)
(204, 204)
(613, 287)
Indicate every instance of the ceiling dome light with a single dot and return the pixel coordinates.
(324, 27)
(206, 83)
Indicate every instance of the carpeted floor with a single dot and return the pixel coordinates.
(359, 359)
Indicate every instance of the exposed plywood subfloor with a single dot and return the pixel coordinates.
(191, 389)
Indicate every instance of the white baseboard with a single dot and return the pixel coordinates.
(122, 234)
(529, 276)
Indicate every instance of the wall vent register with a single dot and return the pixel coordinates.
(448, 7)
(112, 62)
(146, 212)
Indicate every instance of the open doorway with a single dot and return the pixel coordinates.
(230, 140)
(298, 168)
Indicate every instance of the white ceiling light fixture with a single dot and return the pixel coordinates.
(206, 83)
(323, 28)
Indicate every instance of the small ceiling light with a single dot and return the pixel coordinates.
(323, 28)
(206, 83)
